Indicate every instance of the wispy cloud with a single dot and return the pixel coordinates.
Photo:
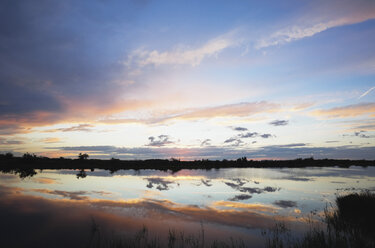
(51, 140)
(243, 109)
(45, 180)
(296, 32)
(341, 13)
(80, 127)
(74, 195)
(10, 128)
(366, 93)
(293, 145)
(185, 55)
(331, 141)
(231, 110)
(347, 111)
(11, 142)
(364, 124)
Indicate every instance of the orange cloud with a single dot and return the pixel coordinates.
(247, 206)
(51, 140)
(230, 110)
(45, 180)
(73, 111)
(347, 111)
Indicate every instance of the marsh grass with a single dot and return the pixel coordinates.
(350, 224)
(143, 239)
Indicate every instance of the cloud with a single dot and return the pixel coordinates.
(51, 140)
(255, 134)
(296, 32)
(279, 123)
(206, 182)
(45, 180)
(11, 142)
(206, 142)
(285, 204)
(362, 134)
(240, 129)
(241, 197)
(247, 206)
(240, 181)
(238, 110)
(53, 69)
(289, 151)
(237, 140)
(183, 56)
(74, 195)
(266, 136)
(323, 16)
(161, 140)
(251, 190)
(234, 141)
(12, 128)
(364, 124)
(292, 145)
(366, 93)
(297, 178)
(353, 110)
(102, 193)
(161, 183)
(243, 109)
(230, 140)
(339, 152)
(249, 135)
(79, 128)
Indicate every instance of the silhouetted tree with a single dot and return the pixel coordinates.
(8, 155)
(83, 156)
(28, 156)
(81, 174)
(243, 159)
(175, 160)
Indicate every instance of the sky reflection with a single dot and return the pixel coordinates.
(233, 202)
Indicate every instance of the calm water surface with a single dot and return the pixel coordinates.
(56, 209)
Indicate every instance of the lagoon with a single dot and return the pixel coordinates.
(57, 208)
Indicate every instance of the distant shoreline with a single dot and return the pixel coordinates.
(8, 162)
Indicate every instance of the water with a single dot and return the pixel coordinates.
(56, 209)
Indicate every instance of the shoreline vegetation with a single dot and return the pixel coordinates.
(27, 164)
(350, 224)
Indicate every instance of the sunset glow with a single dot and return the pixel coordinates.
(189, 80)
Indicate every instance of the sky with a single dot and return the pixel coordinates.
(188, 79)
